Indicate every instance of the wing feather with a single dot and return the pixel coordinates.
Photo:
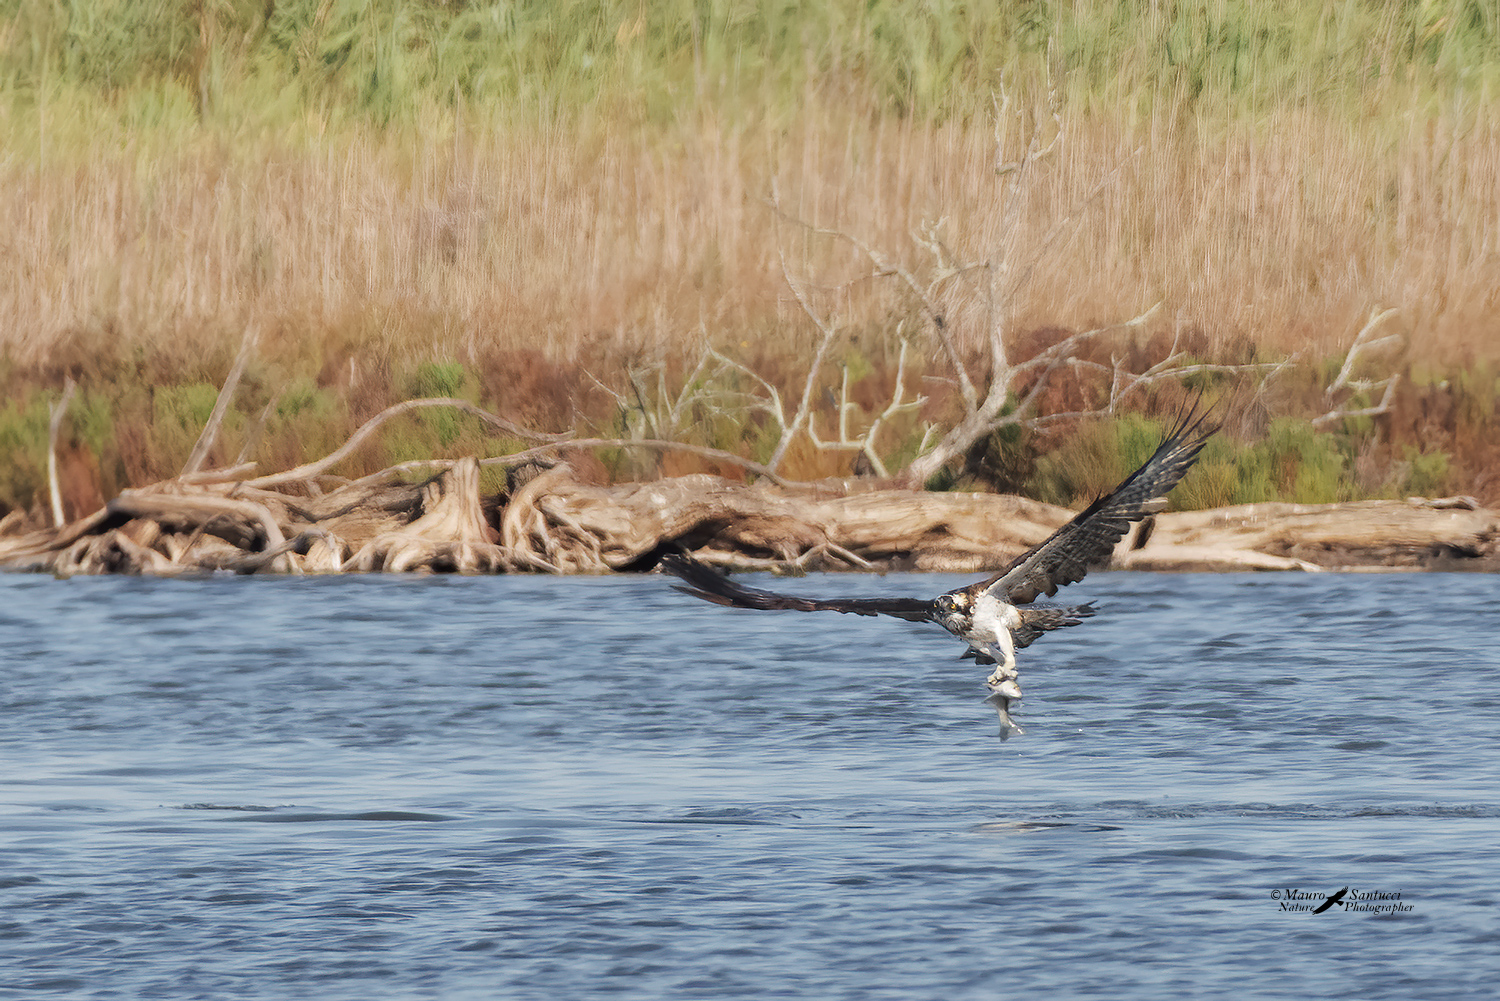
(1066, 555)
(711, 585)
(1039, 619)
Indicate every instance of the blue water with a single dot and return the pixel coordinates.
(528, 787)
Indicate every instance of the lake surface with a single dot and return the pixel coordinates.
(528, 787)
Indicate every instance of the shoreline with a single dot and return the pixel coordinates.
(557, 523)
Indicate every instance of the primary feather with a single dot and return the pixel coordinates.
(1092, 535)
(710, 585)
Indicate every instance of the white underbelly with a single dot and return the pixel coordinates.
(991, 616)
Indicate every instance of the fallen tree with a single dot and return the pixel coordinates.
(581, 528)
(1418, 533)
(555, 522)
(552, 520)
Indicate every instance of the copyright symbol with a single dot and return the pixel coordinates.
(1275, 894)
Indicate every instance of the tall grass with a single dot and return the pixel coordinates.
(1282, 234)
(389, 184)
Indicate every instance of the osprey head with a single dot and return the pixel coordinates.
(957, 601)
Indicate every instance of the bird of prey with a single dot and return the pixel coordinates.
(996, 617)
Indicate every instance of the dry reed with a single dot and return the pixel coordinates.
(467, 239)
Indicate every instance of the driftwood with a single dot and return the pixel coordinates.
(183, 527)
(557, 524)
(578, 528)
(1452, 533)
(450, 535)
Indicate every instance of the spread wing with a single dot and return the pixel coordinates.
(1090, 537)
(711, 585)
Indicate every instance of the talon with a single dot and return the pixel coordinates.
(1004, 686)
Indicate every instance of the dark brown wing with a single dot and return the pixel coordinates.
(1040, 619)
(1090, 537)
(711, 585)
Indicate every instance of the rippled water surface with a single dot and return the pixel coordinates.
(523, 787)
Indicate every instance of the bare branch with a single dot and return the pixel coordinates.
(1009, 266)
(898, 404)
(1033, 152)
(54, 428)
(252, 440)
(550, 449)
(886, 267)
(1379, 408)
(1069, 345)
(690, 393)
(865, 443)
(829, 332)
(210, 431)
(1357, 347)
(619, 398)
(311, 469)
(1361, 345)
(225, 475)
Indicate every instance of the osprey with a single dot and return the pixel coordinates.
(995, 616)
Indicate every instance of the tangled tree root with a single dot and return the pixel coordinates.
(555, 523)
(178, 527)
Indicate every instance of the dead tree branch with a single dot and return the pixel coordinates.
(828, 331)
(865, 443)
(1360, 345)
(308, 470)
(548, 451)
(210, 430)
(1379, 408)
(989, 396)
(54, 427)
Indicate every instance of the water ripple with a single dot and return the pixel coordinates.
(536, 788)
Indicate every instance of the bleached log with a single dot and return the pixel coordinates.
(556, 524)
(593, 529)
(114, 552)
(559, 523)
(1360, 533)
(243, 523)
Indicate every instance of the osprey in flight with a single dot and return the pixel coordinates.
(995, 616)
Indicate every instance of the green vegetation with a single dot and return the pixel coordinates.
(390, 60)
(141, 437)
(1292, 462)
(23, 452)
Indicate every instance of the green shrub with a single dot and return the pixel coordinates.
(1293, 462)
(1094, 460)
(23, 453)
(438, 379)
(1427, 473)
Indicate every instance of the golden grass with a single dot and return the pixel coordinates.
(624, 243)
